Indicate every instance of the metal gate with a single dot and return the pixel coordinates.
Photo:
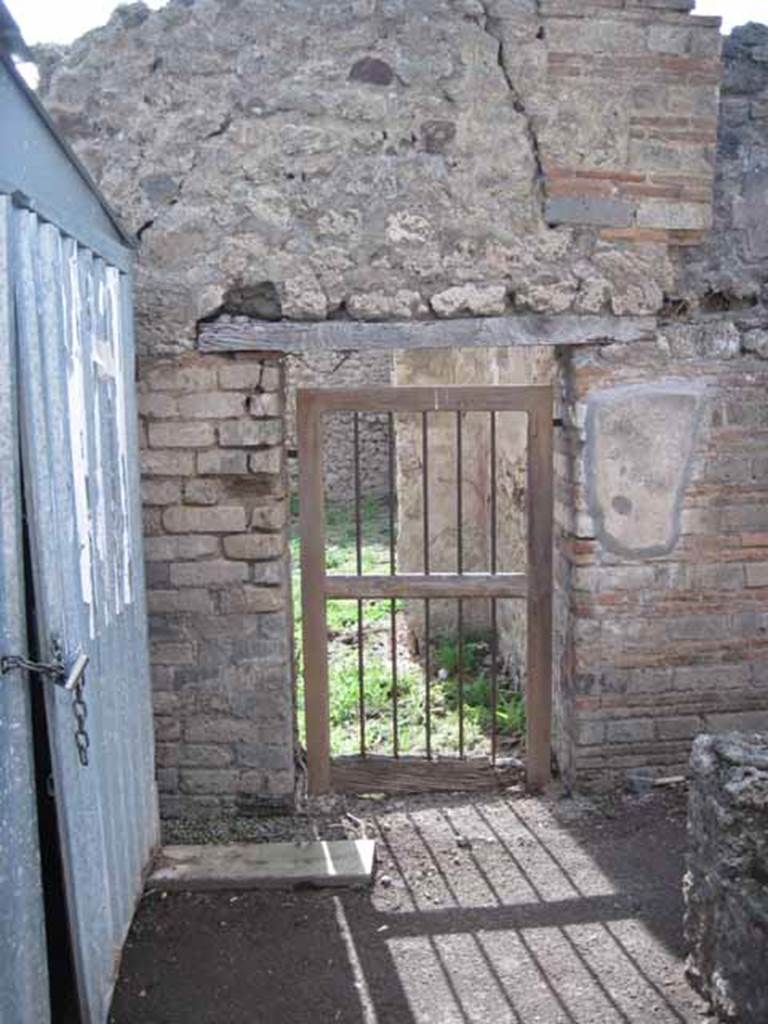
(66, 365)
(364, 771)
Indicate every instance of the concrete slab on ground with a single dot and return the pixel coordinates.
(347, 862)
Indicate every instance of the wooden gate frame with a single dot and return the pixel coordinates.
(535, 585)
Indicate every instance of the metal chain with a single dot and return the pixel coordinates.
(56, 670)
(10, 662)
(80, 711)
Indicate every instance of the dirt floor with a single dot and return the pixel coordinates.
(492, 909)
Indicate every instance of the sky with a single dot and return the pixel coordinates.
(59, 21)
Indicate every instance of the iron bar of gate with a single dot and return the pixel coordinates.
(425, 510)
(460, 570)
(359, 570)
(393, 601)
(494, 618)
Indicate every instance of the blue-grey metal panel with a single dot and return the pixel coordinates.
(79, 447)
(23, 964)
(37, 166)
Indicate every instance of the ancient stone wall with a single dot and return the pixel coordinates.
(726, 896)
(215, 498)
(420, 162)
(342, 370)
(386, 160)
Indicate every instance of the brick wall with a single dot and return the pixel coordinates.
(666, 645)
(214, 489)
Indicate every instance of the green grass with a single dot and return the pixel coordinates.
(444, 658)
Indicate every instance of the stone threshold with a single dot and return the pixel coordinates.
(335, 864)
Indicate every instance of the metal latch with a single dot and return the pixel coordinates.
(55, 670)
(70, 678)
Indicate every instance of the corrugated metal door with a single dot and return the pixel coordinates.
(79, 457)
(23, 967)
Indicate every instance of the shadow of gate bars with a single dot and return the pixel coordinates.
(366, 773)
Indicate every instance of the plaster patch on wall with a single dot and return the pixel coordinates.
(639, 445)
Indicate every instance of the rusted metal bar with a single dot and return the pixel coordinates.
(392, 569)
(460, 570)
(427, 624)
(359, 570)
(494, 616)
(540, 514)
(309, 431)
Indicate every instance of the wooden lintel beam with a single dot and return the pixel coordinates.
(243, 335)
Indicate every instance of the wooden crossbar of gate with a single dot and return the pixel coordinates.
(318, 586)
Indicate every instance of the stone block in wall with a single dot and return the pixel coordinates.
(726, 883)
(211, 405)
(178, 434)
(175, 547)
(181, 377)
(589, 210)
(254, 547)
(167, 463)
(203, 491)
(192, 519)
(242, 376)
(268, 461)
(250, 433)
(222, 463)
(209, 573)
(270, 516)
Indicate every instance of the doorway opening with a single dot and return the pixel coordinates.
(412, 673)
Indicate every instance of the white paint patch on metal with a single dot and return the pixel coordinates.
(78, 435)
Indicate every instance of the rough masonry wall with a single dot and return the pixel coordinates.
(378, 159)
(217, 582)
(726, 896)
(342, 370)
